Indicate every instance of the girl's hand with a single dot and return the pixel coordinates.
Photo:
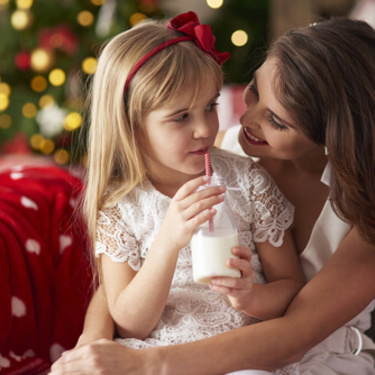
(238, 289)
(189, 209)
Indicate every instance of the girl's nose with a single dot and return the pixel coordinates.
(202, 129)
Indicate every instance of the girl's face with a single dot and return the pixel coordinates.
(267, 129)
(177, 136)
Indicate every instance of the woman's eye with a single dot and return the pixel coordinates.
(274, 123)
(212, 107)
(252, 88)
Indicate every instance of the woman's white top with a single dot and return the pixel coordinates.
(327, 233)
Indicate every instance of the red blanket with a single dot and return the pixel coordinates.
(45, 275)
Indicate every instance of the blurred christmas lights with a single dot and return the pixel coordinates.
(72, 121)
(85, 18)
(20, 20)
(38, 84)
(57, 77)
(89, 65)
(29, 110)
(24, 4)
(239, 38)
(215, 4)
(43, 60)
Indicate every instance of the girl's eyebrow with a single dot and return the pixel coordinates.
(178, 111)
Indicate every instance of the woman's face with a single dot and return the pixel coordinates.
(268, 131)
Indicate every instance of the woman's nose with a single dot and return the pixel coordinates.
(251, 116)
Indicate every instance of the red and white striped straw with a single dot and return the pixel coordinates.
(207, 166)
(208, 173)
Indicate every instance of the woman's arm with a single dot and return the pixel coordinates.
(342, 289)
(98, 321)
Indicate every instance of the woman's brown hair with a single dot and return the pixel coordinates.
(326, 81)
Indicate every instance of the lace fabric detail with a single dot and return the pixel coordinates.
(273, 213)
(113, 239)
(292, 369)
(193, 311)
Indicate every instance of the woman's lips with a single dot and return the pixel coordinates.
(252, 139)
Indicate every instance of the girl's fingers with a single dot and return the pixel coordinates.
(198, 208)
(190, 187)
(189, 192)
(242, 252)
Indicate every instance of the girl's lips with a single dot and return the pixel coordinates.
(252, 139)
(201, 151)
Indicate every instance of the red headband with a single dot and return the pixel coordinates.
(186, 23)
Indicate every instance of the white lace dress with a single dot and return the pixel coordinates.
(193, 311)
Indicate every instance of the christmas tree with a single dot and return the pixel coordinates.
(241, 27)
(47, 52)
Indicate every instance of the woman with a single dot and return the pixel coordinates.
(316, 89)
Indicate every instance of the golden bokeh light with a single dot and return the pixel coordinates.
(4, 102)
(20, 20)
(98, 2)
(47, 146)
(85, 18)
(46, 101)
(41, 60)
(24, 4)
(5, 121)
(72, 121)
(5, 89)
(215, 4)
(3, 3)
(89, 65)
(38, 84)
(61, 156)
(57, 77)
(29, 110)
(239, 38)
(136, 18)
(36, 140)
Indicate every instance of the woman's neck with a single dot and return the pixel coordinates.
(313, 162)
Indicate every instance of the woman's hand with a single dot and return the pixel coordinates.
(238, 289)
(100, 357)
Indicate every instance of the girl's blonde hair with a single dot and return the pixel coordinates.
(115, 163)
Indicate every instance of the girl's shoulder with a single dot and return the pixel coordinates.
(227, 163)
(227, 157)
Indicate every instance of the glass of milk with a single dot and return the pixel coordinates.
(212, 243)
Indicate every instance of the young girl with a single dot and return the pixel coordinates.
(153, 119)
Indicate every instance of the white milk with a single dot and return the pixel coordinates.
(210, 252)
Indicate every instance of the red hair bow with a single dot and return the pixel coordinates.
(188, 23)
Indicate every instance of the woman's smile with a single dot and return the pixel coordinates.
(251, 138)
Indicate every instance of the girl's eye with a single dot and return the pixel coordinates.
(181, 118)
(212, 107)
(274, 123)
